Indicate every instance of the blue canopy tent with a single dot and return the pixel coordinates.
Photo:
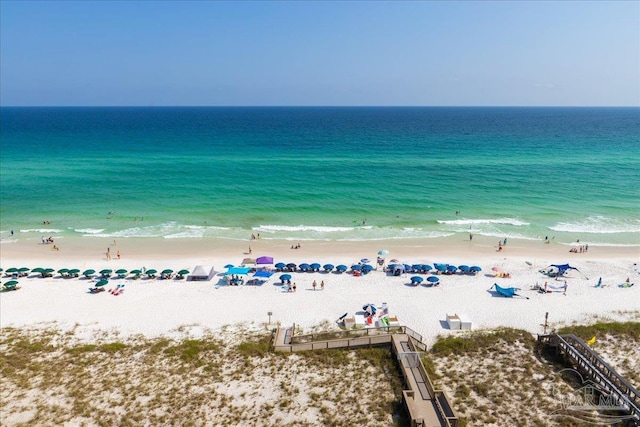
(397, 269)
(280, 266)
(263, 273)
(562, 268)
(506, 292)
(238, 270)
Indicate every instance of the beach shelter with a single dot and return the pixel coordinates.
(263, 273)
(433, 279)
(562, 268)
(398, 269)
(315, 266)
(201, 273)
(341, 268)
(416, 280)
(264, 260)
(328, 267)
(280, 266)
(238, 270)
(506, 292)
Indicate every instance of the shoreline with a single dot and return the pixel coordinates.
(93, 249)
(158, 307)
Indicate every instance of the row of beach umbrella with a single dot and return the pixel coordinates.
(89, 273)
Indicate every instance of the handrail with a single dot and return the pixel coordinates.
(604, 374)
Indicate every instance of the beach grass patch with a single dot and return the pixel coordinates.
(621, 329)
(190, 350)
(481, 340)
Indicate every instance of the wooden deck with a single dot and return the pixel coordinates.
(426, 406)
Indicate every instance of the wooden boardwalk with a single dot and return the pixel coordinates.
(426, 406)
(592, 366)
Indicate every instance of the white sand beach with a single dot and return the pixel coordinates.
(154, 307)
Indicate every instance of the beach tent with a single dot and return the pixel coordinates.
(201, 273)
(506, 292)
(238, 270)
(561, 269)
(264, 260)
(398, 269)
(263, 273)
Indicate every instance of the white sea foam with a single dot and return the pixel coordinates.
(506, 221)
(599, 225)
(311, 228)
(89, 230)
(41, 230)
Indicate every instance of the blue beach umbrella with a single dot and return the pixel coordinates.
(304, 266)
(416, 279)
(383, 252)
(365, 261)
(341, 268)
(433, 279)
(356, 267)
(328, 267)
(426, 267)
(452, 268)
(284, 277)
(464, 268)
(440, 267)
(315, 266)
(367, 268)
(280, 266)
(229, 266)
(291, 266)
(416, 267)
(475, 269)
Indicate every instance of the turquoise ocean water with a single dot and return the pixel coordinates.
(319, 173)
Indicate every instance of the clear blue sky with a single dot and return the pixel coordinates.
(319, 53)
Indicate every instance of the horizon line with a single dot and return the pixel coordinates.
(319, 106)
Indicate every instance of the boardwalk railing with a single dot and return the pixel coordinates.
(590, 364)
(426, 405)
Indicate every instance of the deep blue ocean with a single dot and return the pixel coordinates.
(321, 173)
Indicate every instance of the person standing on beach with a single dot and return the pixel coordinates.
(322, 285)
(118, 255)
(294, 286)
(470, 236)
(314, 285)
(565, 287)
(108, 254)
